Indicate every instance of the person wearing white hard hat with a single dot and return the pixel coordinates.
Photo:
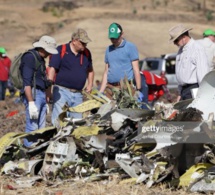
(35, 83)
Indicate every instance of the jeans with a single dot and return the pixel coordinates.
(34, 124)
(144, 89)
(62, 96)
(3, 86)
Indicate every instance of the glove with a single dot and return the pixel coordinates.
(47, 109)
(138, 96)
(33, 111)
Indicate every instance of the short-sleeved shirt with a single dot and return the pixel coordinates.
(5, 64)
(120, 60)
(28, 67)
(72, 70)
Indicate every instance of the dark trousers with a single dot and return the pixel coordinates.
(186, 91)
(3, 86)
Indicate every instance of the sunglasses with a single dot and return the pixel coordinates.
(177, 40)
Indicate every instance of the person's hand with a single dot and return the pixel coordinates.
(139, 96)
(47, 109)
(88, 89)
(33, 111)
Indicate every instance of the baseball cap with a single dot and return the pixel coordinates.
(81, 35)
(3, 51)
(114, 31)
(208, 32)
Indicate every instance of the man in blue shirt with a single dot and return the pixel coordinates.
(34, 99)
(73, 68)
(121, 60)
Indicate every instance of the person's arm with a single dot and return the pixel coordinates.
(90, 79)
(28, 93)
(135, 65)
(104, 79)
(51, 76)
(179, 92)
(201, 64)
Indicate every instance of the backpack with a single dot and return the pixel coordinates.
(15, 72)
(63, 52)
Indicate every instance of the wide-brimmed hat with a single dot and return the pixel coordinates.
(3, 52)
(81, 35)
(177, 31)
(47, 43)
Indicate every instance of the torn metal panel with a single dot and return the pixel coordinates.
(30, 167)
(193, 173)
(84, 131)
(131, 167)
(95, 143)
(182, 104)
(117, 120)
(85, 106)
(156, 172)
(105, 108)
(8, 139)
(136, 114)
(205, 94)
(204, 185)
(58, 152)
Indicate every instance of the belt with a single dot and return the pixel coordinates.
(118, 83)
(71, 90)
(189, 85)
(40, 88)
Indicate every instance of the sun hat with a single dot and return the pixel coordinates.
(208, 32)
(81, 35)
(47, 43)
(114, 31)
(177, 31)
(3, 51)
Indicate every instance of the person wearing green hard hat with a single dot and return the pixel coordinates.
(3, 52)
(208, 42)
(208, 32)
(5, 64)
(121, 60)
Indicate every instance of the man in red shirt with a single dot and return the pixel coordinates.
(5, 64)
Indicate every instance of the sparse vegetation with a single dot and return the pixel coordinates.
(209, 15)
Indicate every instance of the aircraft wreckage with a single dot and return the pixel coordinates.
(171, 143)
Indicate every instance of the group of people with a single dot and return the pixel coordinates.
(71, 69)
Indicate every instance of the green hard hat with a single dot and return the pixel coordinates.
(208, 32)
(2, 50)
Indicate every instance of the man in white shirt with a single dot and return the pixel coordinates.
(208, 42)
(191, 61)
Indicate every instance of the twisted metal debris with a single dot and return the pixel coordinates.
(170, 143)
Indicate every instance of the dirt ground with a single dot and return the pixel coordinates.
(145, 23)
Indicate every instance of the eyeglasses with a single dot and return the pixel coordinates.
(82, 43)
